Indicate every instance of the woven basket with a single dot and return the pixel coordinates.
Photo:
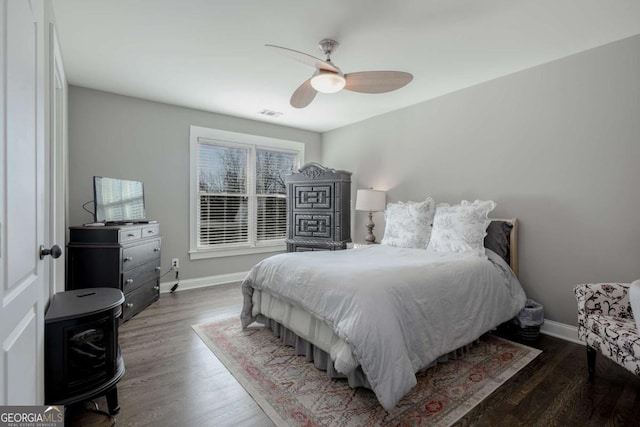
(528, 333)
(521, 333)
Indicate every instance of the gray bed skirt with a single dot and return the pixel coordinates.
(322, 360)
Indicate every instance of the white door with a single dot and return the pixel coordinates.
(22, 198)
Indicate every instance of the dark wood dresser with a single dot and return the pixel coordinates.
(126, 257)
(318, 209)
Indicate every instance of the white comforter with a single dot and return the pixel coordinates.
(399, 309)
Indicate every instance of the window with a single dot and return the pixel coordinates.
(238, 200)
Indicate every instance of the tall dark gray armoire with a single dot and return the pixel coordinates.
(318, 209)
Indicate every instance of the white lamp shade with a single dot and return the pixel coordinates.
(371, 200)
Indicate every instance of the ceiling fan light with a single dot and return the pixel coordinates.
(328, 82)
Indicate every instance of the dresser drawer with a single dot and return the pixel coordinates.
(137, 300)
(150, 230)
(127, 235)
(133, 256)
(134, 278)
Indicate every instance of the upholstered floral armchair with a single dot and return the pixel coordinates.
(606, 324)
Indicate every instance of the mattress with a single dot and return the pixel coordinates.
(306, 326)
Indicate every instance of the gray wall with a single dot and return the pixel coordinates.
(130, 138)
(557, 146)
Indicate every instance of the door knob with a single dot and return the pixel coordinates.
(55, 251)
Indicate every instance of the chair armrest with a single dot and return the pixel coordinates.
(611, 299)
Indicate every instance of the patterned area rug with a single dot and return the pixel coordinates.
(292, 392)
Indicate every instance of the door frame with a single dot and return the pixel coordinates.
(58, 157)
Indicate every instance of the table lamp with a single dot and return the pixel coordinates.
(373, 201)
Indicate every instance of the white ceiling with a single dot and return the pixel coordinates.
(210, 54)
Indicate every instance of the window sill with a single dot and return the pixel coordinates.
(219, 253)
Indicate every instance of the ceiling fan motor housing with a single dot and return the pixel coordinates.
(328, 46)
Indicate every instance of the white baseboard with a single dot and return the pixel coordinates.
(203, 282)
(560, 330)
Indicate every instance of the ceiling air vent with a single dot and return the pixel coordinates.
(270, 113)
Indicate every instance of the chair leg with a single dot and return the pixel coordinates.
(591, 362)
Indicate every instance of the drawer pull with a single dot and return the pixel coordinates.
(128, 258)
(150, 231)
(129, 281)
(156, 249)
(157, 288)
(131, 235)
(158, 268)
(129, 305)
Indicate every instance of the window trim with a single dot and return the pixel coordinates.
(197, 133)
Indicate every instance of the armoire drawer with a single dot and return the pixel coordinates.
(313, 225)
(310, 249)
(316, 197)
(314, 247)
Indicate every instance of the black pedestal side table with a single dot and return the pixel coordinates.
(82, 355)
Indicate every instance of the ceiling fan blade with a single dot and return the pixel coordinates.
(376, 81)
(303, 95)
(305, 59)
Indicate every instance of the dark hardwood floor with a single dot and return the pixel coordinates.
(173, 379)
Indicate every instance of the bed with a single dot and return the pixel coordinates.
(379, 314)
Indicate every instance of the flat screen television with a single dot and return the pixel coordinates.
(118, 200)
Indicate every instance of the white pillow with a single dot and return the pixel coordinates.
(461, 228)
(634, 299)
(408, 225)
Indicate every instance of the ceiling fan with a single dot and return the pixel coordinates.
(330, 79)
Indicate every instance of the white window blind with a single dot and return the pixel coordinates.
(241, 199)
(271, 168)
(223, 195)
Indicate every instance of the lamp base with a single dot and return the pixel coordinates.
(370, 239)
